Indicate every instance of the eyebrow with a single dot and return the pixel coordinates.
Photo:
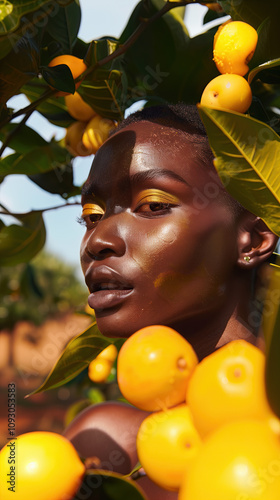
(156, 173)
(90, 188)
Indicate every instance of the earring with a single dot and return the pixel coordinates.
(247, 258)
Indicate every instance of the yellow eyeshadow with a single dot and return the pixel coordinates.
(92, 208)
(156, 196)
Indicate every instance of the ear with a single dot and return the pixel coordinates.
(255, 242)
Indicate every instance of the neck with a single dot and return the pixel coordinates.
(231, 321)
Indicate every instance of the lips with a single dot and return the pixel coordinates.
(107, 287)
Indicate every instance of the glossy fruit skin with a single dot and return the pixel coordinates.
(240, 461)
(78, 108)
(154, 368)
(228, 92)
(167, 442)
(73, 139)
(110, 353)
(47, 466)
(107, 431)
(75, 64)
(99, 369)
(228, 385)
(234, 45)
(96, 133)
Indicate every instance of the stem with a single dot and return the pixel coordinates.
(14, 132)
(7, 212)
(31, 107)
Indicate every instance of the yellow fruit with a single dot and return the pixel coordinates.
(240, 461)
(154, 368)
(110, 353)
(234, 46)
(75, 64)
(99, 370)
(167, 443)
(228, 385)
(96, 132)
(228, 92)
(46, 467)
(73, 139)
(78, 108)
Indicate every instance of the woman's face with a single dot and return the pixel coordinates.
(160, 240)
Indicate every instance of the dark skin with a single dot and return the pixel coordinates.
(153, 254)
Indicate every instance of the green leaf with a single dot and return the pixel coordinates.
(104, 485)
(53, 109)
(265, 67)
(59, 77)
(20, 243)
(59, 180)
(77, 355)
(12, 12)
(25, 140)
(35, 161)
(247, 155)
(104, 89)
(64, 26)
(271, 330)
(18, 67)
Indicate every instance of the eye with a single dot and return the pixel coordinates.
(91, 214)
(154, 206)
(154, 202)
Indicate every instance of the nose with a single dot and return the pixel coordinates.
(104, 240)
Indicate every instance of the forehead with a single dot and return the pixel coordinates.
(146, 146)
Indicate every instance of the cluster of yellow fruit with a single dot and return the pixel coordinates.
(234, 46)
(211, 434)
(100, 368)
(85, 136)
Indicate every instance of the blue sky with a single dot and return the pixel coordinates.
(17, 192)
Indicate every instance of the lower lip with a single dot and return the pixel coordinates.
(104, 299)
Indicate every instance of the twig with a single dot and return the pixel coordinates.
(14, 132)
(7, 212)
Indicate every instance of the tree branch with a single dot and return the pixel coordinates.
(121, 50)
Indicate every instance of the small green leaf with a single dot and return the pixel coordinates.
(264, 67)
(59, 77)
(104, 485)
(59, 180)
(77, 355)
(20, 243)
(64, 26)
(25, 140)
(247, 155)
(35, 161)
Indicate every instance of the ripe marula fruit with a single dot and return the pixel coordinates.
(154, 368)
(99, 370)
(47, 467)
(96, 132)
(167, 442)
(228, 385)
(240, 461)
(75, 64)
(73, 139)
(78, 108)
(234, 46)
(228, 92)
